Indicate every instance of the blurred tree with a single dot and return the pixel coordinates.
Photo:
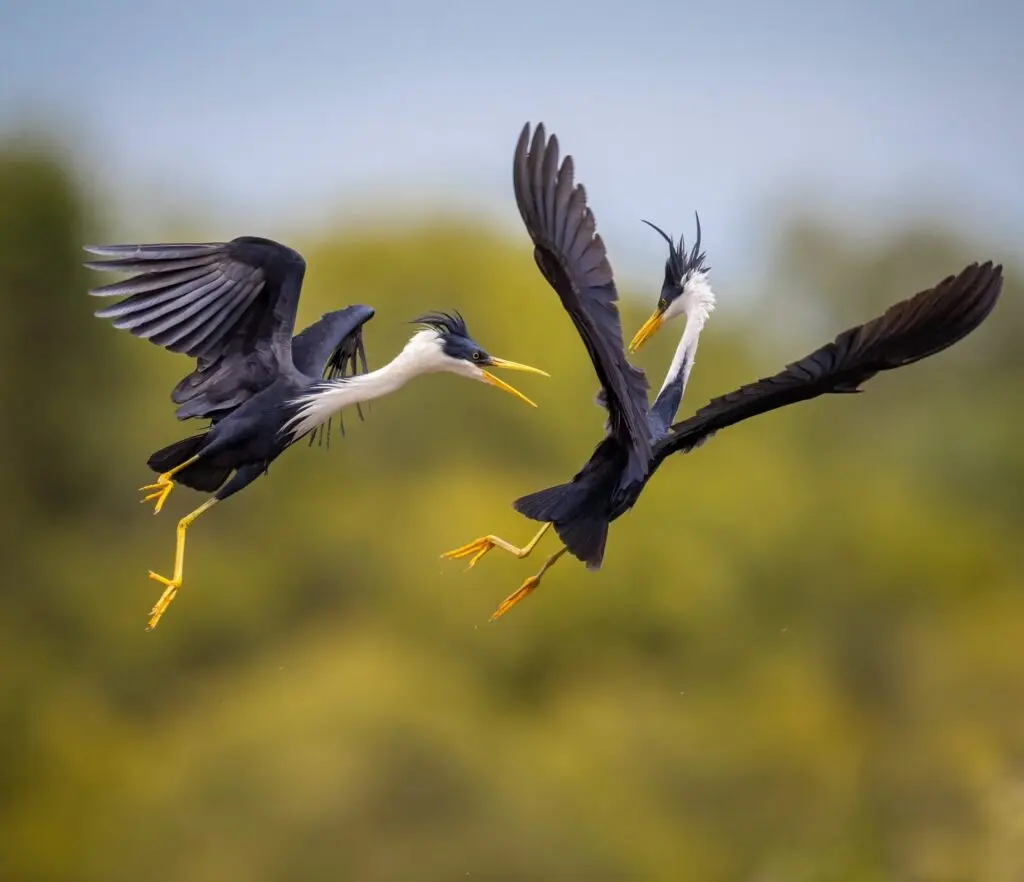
(800, 660)
(54, 360)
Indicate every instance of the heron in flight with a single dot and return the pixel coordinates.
(572, 258)
(231, 306)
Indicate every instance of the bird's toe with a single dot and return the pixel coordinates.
(523, 591)
(477, 547)
(483, 546)
(160, 607)
(159, 493)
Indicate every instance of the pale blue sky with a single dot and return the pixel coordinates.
(273, 114)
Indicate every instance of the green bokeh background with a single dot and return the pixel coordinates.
(801, 660)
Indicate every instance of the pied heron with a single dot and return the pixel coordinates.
(231, 306)
(571, 257)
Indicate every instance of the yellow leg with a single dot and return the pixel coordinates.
(164, 485)
(174, 583)
(479, 547)
(527, 587)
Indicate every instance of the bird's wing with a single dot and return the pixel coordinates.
(916, 328)
(329, 349)
(196, 299)
(230, 305)
(571, 256)
(323, 348)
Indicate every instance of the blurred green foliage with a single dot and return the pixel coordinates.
(801, 659)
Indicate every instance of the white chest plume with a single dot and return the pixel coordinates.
(423, 354)
(697, 302)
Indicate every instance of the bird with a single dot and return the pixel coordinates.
(231, 306)
(572, 258)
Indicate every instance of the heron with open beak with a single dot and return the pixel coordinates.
(231, 306)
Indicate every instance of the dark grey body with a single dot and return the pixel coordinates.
(571, 257)
(607, 486)
(581, 510)
(916, 328)
(231, 306)
(249, 437)
(245, 441)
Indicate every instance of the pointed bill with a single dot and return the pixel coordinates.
(647, 330)
(488, 377)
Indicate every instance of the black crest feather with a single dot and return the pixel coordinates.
(680, 264)
(445, 323)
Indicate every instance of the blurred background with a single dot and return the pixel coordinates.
(802, 658)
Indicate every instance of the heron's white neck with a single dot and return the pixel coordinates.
(697, 302)
(421, 355)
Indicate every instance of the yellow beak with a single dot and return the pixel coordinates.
(647, 330)
(488, 377)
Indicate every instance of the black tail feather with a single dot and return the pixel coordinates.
(201, 476)
(582, 527)
(585, 537)
(548, 505)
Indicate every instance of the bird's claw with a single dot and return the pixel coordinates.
(161, 490)
(160, 607)
(478, 548)
(524, 590)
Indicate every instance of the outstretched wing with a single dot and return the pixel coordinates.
(230, 305)
(328, 349)
(916, 328)
(571, 256)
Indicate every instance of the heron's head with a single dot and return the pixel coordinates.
(444, 344)
(685, 291)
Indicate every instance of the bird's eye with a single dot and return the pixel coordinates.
(663, 304)
(476, 355)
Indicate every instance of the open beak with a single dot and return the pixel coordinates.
(647, 330)
(488, 377)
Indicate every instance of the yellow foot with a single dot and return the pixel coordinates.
(524, 591)
(172, 586)
(478, 548)
(528, 586)
(161, 490)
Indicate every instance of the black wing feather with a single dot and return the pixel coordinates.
(331, 340)
(230, 305)
(571, 256)
(176, 283)
(916, 328)
(332, 348)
